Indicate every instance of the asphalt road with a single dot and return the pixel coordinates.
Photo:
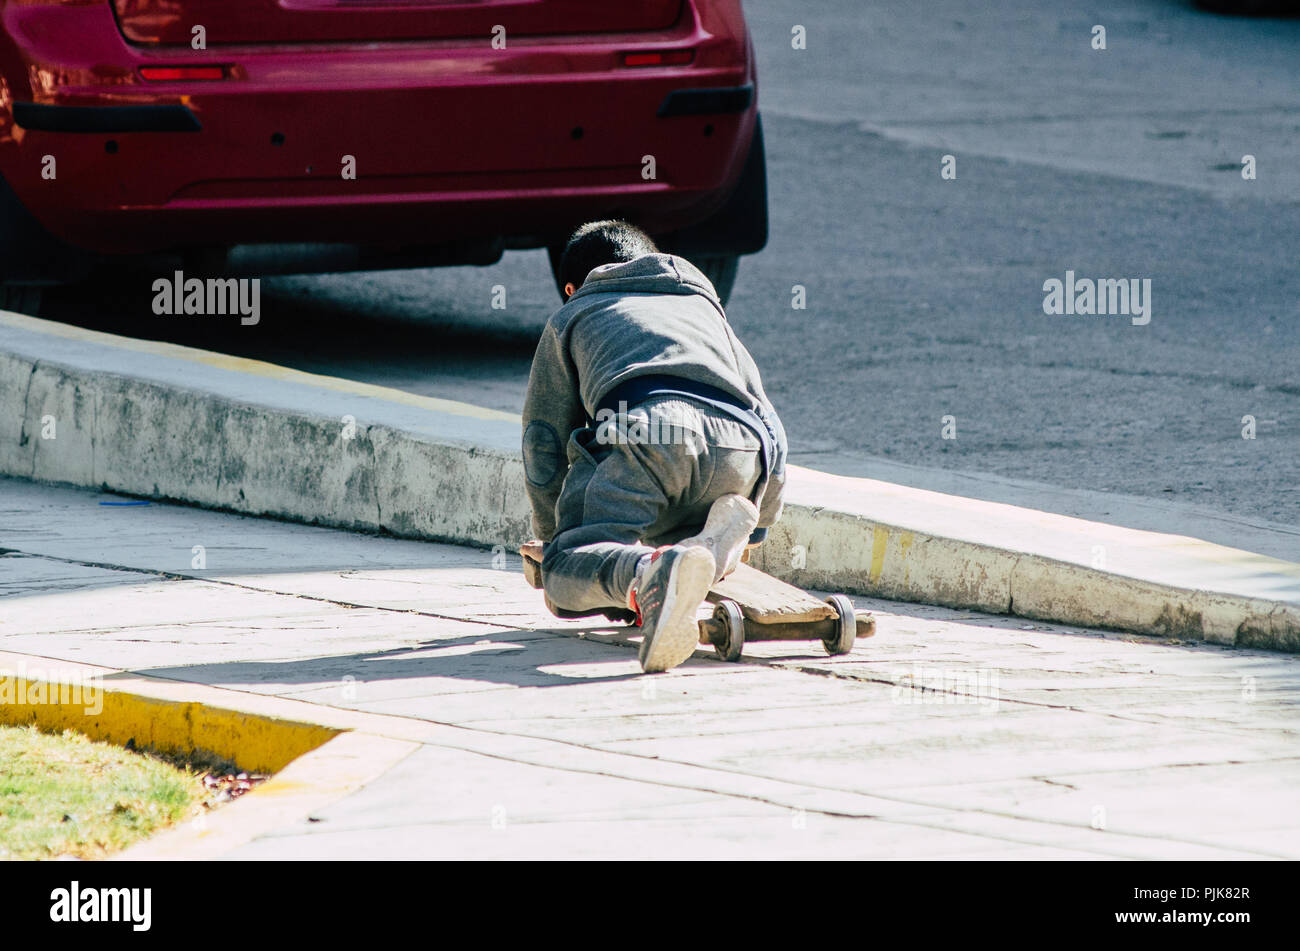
(925, 295)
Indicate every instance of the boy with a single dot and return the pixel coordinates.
(651, 451)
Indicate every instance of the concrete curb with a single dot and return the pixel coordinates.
(55, 695)
(314, 763)
(842, 550)
(318, 449)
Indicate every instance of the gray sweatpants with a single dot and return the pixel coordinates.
(637, 482)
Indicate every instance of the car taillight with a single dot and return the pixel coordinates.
(659, 58)
(173, 73)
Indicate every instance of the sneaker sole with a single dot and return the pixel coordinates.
(678, 634)
(734, 521)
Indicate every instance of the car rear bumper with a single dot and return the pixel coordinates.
(450, 141)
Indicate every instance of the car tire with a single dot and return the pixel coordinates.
(554, 252)
(21, 299)
(720, 269)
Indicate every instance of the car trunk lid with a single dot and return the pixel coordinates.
(177, 22)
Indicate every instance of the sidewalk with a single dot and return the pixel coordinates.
(166, 422)
(479, 726)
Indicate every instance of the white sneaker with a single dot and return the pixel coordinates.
(666, 597)
(731, 521)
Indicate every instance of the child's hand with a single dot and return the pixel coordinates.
(532, 555)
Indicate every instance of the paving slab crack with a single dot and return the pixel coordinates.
(179, 576)
(799, 788)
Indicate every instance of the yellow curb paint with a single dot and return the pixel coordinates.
(255, 743)
(879, 540)
(254, 367)
(314, 764)
(904, 546)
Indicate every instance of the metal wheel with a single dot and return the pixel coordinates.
(733, 621)
(847, 630)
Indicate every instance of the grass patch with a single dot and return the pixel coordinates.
(64, 794)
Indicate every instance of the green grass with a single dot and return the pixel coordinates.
(67, 795)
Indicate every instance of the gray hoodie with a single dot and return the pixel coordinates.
(655, 315)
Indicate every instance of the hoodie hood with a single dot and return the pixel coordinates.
(648, 274)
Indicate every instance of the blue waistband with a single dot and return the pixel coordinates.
(641, 388)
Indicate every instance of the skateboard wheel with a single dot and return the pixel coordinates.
(846, 630)
(728, 614)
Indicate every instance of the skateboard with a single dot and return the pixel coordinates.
(751, 605)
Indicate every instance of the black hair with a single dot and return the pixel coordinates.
(602, 242)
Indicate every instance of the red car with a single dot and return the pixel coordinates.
(291, 136)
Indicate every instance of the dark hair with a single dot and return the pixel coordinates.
(602, 242)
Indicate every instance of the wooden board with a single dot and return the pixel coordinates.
(767, 600)
(532, 555)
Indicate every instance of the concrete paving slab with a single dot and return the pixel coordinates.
(950, 733)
